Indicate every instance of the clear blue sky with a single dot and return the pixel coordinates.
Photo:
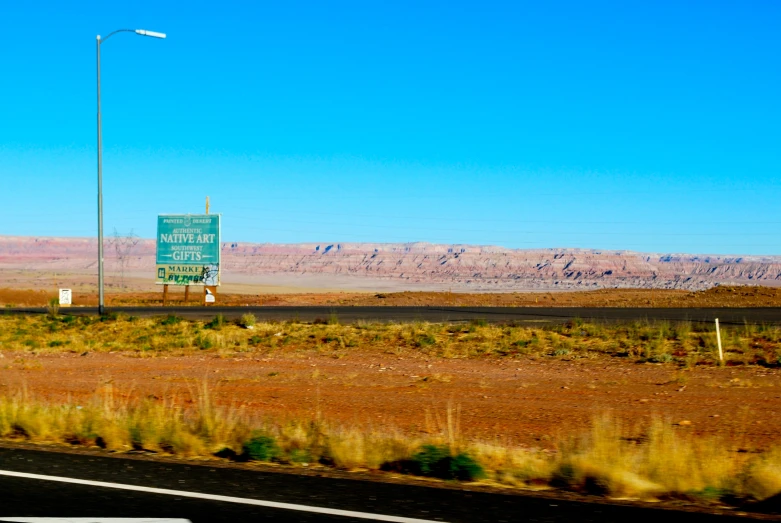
(648, 126)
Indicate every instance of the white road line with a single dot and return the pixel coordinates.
(215, 497)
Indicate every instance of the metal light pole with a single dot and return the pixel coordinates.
(142, 32)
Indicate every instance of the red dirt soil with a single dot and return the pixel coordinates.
(523, 402)
(716, 297)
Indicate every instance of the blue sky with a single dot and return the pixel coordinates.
(647, 126)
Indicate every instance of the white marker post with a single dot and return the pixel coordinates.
(718, 340)
(66, 297)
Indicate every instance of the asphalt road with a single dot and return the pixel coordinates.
(375, 501)
(757, 315)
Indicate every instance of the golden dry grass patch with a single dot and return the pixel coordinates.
(650, 461)
(684, 345)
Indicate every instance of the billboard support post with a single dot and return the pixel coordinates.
(187, 287)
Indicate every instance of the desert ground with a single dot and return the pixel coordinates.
(525, 401)
(529, 388)
(39, 295)
(511, 402)
(523, 385)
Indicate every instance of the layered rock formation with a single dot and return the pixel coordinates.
(468, 267)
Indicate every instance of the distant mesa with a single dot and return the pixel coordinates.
(464, 267)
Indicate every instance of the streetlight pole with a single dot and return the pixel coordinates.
(142, 32)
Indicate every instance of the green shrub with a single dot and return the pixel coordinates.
(53, 307)
(425, 340)
(247, 320)
(203, 342)
(217, 323)
(430, 459)
(464, 468)
(171, 319)
(436, 461)
(260, 448)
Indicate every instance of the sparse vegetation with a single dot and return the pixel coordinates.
(170, 320)
(260, 448)
(657, 460)
(438, 461)
(653, 461)
(217, 323)
(248, 320)
(53, 307)
(684, 345)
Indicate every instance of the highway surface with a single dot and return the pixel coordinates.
(48, 484)
(726, 316)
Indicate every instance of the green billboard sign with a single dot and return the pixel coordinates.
(188, 249)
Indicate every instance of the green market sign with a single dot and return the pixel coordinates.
(188, 249)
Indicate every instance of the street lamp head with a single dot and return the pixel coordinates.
(153, 34)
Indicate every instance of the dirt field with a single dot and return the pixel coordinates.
(646, 410)
(522, 402)
(715, 297)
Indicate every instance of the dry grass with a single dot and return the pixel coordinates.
(683, 344)
(658, 460)
(654, 461)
